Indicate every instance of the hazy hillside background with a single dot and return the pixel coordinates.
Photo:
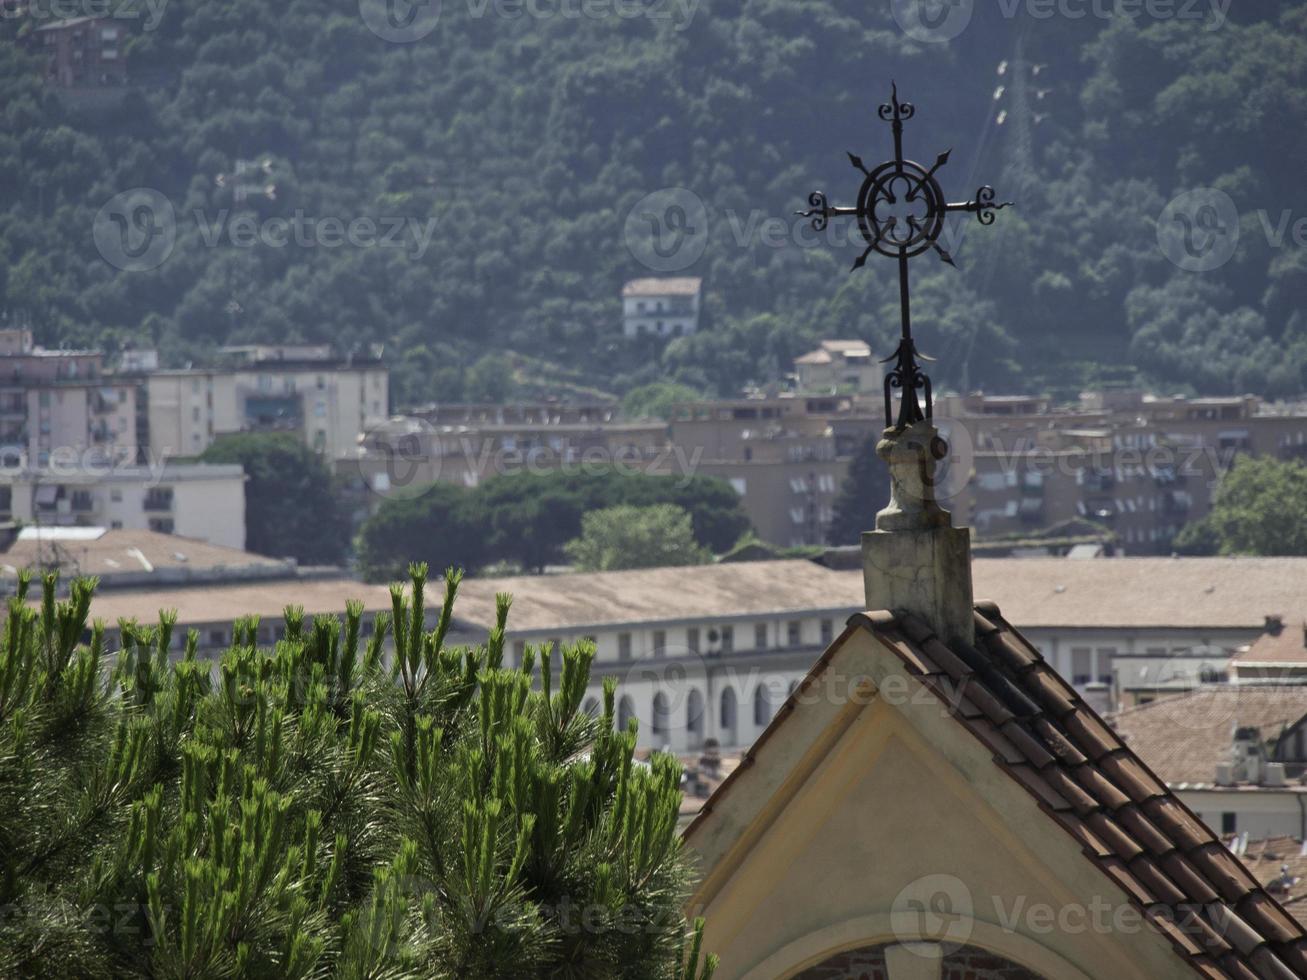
(529, 140)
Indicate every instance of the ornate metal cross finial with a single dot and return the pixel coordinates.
(900, 212)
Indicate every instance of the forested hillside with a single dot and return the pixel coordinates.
(528, 139)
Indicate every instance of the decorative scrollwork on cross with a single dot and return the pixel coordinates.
(900, 213)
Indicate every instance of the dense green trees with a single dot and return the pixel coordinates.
(1259, 509)
(566, 122)
(323, 808)
(526, 518)
(291, 507)
(636, 537)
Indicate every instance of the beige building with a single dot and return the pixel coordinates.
(839, 365)
(786, 456)
(406, 453)
(62, 403)
(329, 403)
(1140, 466)
(201, 501)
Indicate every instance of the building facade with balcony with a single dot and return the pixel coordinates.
(325, 401)
(200, 500)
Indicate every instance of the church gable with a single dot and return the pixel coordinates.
(975, 780)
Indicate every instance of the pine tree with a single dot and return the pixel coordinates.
(332, 807)
(864, 491)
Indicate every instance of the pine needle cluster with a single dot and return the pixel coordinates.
(333, 806)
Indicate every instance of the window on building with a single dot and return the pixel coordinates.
(556, 643)
(760, 636)
(659, 643)
(1105, 657)
(623, 646)
(1229, 823)
(158, 498)
(728, 639)
(116, 495)
(217, 638)
(792, 632)
(827, 632)
(692, 639)
(161, 525)
(1082, 668)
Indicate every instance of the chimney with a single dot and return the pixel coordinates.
(915, 560)
(1273, 625)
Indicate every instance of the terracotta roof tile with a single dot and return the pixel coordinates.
(1135, 781)
(1180, 870)
(1269, 965)
(1223, 870)
(1269, 919)
(1031, 747)
(1144, 830)
(1109, 831)
(1091, 778)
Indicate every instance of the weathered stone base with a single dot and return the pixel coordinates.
(926, 572)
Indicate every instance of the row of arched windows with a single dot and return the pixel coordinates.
(661, 723)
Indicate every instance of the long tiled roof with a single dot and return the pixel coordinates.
(1185, 737)
(1042, 734)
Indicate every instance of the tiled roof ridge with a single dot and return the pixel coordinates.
(1085, 777)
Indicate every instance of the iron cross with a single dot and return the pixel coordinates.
(900, 211)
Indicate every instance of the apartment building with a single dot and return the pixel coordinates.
(466, 444)
(839, 366)
(786, 456)
(325, 400)
(201, 501)
(1139, 465)
(62, 402)
(661, 307)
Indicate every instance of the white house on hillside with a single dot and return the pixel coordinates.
(663, 307)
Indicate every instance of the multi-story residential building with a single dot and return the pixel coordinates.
(326, 401)
(1140, 466)
(465, 444)
(62, 403)
(839, 365)
(201, 501)
(83, 52)
(661, 307)
(786, 456)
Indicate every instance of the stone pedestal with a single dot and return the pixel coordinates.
(916, 561)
